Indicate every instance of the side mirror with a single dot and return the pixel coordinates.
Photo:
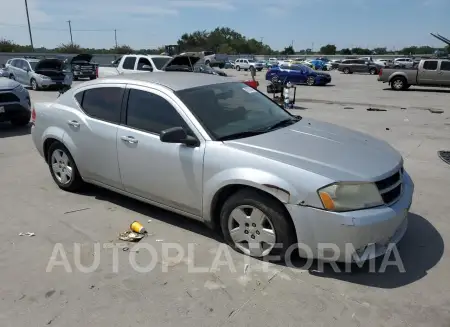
(147, 67)
(177, 135)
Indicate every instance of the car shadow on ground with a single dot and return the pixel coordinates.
(151, 211)
(9, 130)
(419, 89)
(421, 249)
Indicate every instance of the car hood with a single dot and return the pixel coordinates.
(7, 84)
(335, 152)
(81, 57)
(49, 64)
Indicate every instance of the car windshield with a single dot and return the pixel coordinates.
(33, 64)
(160, 61)
(233, 109)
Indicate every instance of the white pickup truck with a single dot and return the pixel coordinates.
(133, 64)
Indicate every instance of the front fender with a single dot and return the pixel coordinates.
(269, 183)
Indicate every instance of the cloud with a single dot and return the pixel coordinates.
(13, 12)
(220, 5)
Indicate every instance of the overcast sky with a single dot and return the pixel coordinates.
(151, 23)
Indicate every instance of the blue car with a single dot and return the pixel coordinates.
(297, 74)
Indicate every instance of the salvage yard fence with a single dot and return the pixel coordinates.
(104, 59)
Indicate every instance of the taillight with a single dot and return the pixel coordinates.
(380, 72)
(96, 72)
(33, 115)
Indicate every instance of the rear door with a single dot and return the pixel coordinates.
(444, 73)
(93, 132)
(128, 65)
(428, 73)
(360, 66)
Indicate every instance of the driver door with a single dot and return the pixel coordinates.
(166, 173)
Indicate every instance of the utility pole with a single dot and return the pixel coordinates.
(70, 30)
(29, 26)
(115, 37)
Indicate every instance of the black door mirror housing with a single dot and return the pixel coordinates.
(178, 135)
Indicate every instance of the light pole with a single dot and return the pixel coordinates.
(29, 26)
(70, 30)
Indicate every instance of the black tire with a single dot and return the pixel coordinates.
(259, 69)
(207, 63)
(238, 68)
(22, 120)
(398, 83)
(372, 71)
(311, 81)
(12, 77)
(346, 71)
(34, 85)
(75, 78)
(273, 210)
(76, 182)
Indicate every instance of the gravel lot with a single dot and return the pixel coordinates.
(253, 294)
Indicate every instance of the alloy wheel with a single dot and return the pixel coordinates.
(251, 231)
(61, 166)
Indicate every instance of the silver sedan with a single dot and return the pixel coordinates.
(213, 149)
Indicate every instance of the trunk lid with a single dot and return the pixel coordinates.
(81, 58)
(53, 68)
(180, 62)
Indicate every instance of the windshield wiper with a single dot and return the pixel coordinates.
(281, 123)
(240, 135)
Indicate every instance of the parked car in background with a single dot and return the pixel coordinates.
(429, 72)
(245, 64)
(319, 65)
(229, 64)
(297, 74)
(81, 66)
(335, 63)
(291, 179)
(40, 73)
(273, 61)
(3, 71)
(350, 66)
(130, 64)
(403, 62)
(15, 103)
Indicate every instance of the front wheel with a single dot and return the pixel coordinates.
(259, 69)
(311, 81)
(63, 168)
(257, 225)
(34, 85)
(346, 71)
(372, 71)
(238, 68)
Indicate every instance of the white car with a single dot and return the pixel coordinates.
(403, 62)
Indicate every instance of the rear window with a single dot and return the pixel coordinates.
(430, 65)
(160, 61)
(445, 65)
(103, 103)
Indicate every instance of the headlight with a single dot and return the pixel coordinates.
(350, 196)
(44, 77)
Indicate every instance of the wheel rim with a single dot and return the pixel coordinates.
(33, 85)
(251, 231)
(346, 71)
(61, 166)
(310, 81)
(398, 84)
(372, 72)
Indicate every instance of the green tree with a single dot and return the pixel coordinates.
(7, 45)
(380, 51)
(69, 48)
(329, 49)
(123, 49)
(289, 50)
(346, 51)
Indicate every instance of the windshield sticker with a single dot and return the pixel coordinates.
(249, 89)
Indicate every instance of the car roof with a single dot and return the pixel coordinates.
(175, 81)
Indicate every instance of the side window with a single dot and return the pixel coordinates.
(103, 103)
(430, 65)
(13, 62)
(79, 98)
(129, 62)
(150, 112)
(143, 62)
(445, 65)
(25, 65)
(116, 62)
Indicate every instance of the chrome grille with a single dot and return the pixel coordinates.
(391, 187)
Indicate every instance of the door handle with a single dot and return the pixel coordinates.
(129, 139)
(73, 123)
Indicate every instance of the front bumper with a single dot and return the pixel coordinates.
(352, 236)
(320, 80)
(51, 83)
